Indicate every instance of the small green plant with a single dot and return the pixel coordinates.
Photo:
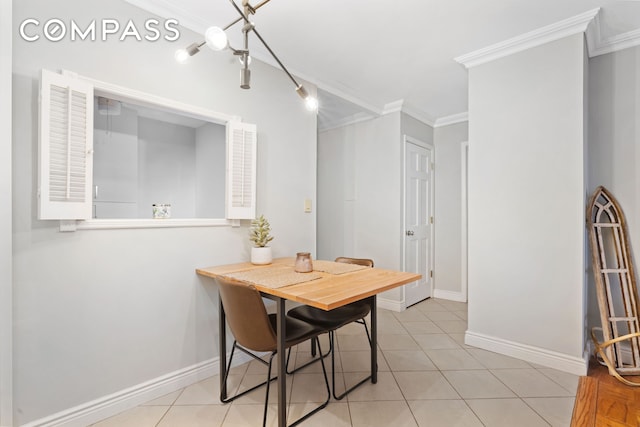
(260, 229)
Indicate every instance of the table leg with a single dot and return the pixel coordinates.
(222, 345)
(282, 369)
(374, 340)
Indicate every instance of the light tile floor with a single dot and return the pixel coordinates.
(427, 377)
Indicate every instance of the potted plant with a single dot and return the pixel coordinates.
(260, 236)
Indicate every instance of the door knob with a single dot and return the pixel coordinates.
(409, 233)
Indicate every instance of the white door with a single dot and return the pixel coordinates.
(418, 232)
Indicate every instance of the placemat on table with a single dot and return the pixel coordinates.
(274, 277)
(332, 267)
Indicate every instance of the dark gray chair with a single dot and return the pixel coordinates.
(334, 319)
(255, 331)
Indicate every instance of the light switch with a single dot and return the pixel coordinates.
(307, 205)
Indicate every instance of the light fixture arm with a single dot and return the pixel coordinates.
(217, 40)
(252, 10)
(246, 19)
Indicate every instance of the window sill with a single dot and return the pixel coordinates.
(106, 224)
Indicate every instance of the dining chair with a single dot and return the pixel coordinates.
(334, 319)
(255, 331)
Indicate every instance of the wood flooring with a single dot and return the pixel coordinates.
(603, 401)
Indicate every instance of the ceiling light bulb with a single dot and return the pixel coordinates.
(181, 55)
(216, 38)
(311, 103)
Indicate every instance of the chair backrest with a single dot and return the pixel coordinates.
(247, 316)
(359, 261)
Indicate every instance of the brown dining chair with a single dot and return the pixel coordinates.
(255, 331)
(334, 319)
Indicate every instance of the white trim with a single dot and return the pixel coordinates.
(552, 359)
(157, 102)
(392, 305)
(393, 107)
(122, 93)
(402, 106)
(110, 405)
(549, 33)
(6, 250)
(346, 121)
(449, 295)
(452, 119)
(615, 43)
(598, 45)
(375, 111)
(464, 226)
(106, 224)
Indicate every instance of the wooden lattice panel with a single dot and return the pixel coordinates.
(615, 281)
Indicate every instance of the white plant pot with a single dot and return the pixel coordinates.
(261, 256)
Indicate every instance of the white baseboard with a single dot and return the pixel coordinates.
(562, 362)
(392, 305)
(449, 295)
(110, 405)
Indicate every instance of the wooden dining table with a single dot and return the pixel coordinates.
(322, 289)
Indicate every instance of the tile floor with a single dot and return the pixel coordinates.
(427, 377)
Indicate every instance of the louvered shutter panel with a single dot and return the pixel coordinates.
(241, 170)
(65, 147)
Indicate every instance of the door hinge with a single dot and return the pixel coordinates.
(431, 219)
(431, 273)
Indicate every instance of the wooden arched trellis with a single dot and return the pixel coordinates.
(615, 281)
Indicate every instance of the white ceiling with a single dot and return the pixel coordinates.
(366, 56)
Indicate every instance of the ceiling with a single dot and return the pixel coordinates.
(369, 56)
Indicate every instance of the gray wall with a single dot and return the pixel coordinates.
(448, 140)
(526, 203)
(98, 311)
(167, 173)
(6, 279)
(210, 169)
(360, 190)
(614, 142)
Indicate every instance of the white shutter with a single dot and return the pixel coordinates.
(241, 170)
(65, 147)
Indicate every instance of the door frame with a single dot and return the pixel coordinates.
(406, 139)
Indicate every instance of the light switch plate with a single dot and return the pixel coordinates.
(307, 205)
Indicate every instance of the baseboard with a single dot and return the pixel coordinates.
(392, 305)
(562, 362)
(449, 295)
(110, 405)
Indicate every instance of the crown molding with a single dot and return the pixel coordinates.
(567, 27)
(402, 106)
(599, 46)
(346, 121)
(452, 119)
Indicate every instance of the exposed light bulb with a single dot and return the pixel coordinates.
(311, 103)
(181, 55)
(216, 38)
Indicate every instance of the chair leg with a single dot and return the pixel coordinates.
(322, 356)
(266, 397)
(268, 381)
(333, 366)
(326, 382)
(366, 329)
